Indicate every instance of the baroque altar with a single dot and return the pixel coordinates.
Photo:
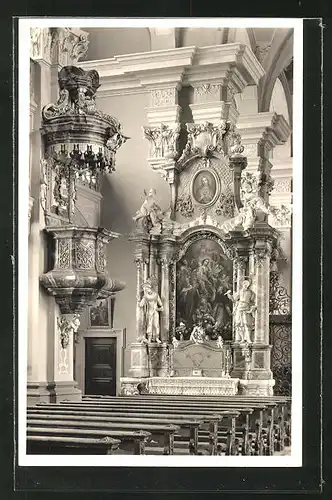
(203, 263)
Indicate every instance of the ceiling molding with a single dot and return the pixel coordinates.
(127, 73)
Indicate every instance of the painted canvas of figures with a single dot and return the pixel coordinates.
(99, 315)
(204, 274)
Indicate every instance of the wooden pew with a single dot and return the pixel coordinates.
(277, 422)
(189, 425)
(281, 427)
(61, 445)
(211, 421)
(162, 434)
(130, 441)
(127, 403)
(208, 415)
(192, 412)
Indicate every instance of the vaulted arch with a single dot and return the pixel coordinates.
(278, 58)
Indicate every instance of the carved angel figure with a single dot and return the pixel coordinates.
(150, 214)
(243, 311)
(152, 305)
(253, 203)
(197, 335)
(80, 103)
(68, 326)
(115, 141)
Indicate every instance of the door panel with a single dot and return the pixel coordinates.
(100, 366)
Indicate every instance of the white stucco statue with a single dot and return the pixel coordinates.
(152, 305)
(243, 311)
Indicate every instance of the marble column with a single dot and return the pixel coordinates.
(166, 256)
(165, 289)
(262, 278)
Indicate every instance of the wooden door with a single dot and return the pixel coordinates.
(100, 366)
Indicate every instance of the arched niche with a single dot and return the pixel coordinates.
(105, 43)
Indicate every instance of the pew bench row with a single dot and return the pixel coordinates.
(212, 426)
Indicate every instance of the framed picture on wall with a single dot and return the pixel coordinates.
(101, 314)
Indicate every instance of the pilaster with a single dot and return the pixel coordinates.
(260, 134)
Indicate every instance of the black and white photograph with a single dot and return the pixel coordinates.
(160, 236)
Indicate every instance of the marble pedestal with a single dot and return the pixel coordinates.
(253, 372)
(150, 360)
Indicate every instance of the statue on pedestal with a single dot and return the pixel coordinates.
(252, 204)
(152, 305)
(243, 311)
(150, 216)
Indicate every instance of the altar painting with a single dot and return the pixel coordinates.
(204, 275)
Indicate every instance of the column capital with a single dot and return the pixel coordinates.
(261, 132)
(58, 46)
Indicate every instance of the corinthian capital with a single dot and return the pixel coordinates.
(62, 46)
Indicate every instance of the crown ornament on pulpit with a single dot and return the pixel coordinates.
(80, 142)
(87, 137)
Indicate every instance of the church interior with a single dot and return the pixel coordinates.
(160, 235)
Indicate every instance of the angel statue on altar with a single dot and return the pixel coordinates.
(243, 311)
(150, 214)
(152, 305)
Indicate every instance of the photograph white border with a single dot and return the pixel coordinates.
(295, 459)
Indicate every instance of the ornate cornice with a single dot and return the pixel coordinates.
(269, 127)
(233, 65)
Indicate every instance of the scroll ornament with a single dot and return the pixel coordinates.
(204, 139)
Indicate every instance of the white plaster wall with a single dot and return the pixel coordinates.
(241, 36)
(201, 36)
(123, 195)
(247, 102)
(106, 42)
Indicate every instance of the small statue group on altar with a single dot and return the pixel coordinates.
(253, 203)
(243, 311)
(152, 305)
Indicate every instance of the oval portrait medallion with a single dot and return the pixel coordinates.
(205, 187)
